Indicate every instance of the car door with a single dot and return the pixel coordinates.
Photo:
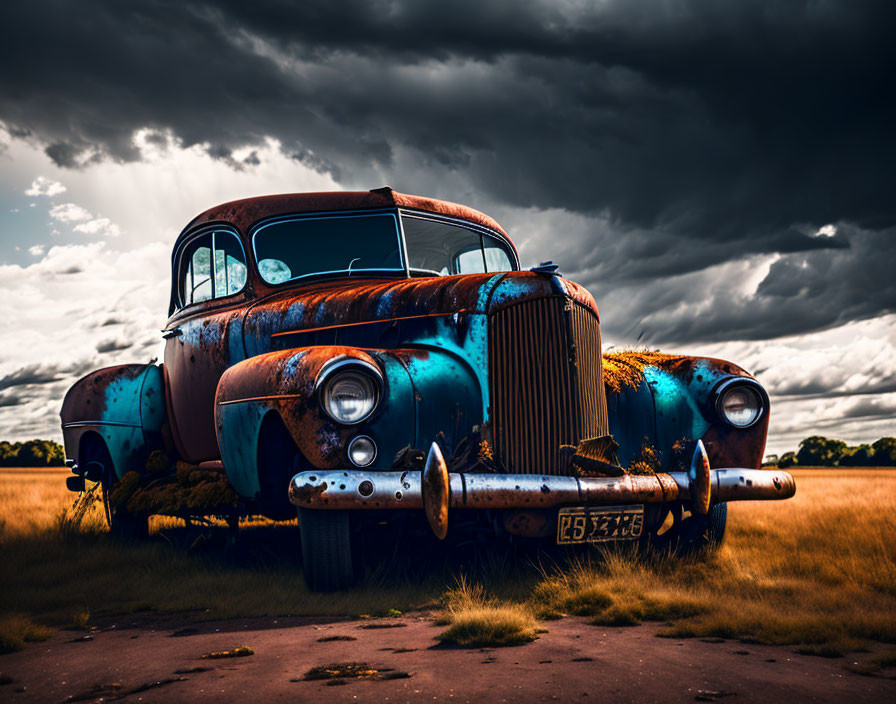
(204, 337)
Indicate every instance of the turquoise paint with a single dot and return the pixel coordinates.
(447, 398)
(678, 413)
(469, 347)
(122, 400)
(485, 292)
(138, 401)
(238, 428)
(665, 408)
(632, 418)
(393, 425)
(235, 349)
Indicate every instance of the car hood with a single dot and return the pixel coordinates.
(327, 304)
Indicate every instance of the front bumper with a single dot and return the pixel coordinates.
(435, 490)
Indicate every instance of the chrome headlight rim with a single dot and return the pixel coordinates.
(343, 365)
(348, 450)
(737, 383)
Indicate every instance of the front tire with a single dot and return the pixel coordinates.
(698, 534)
(693, 534)
(326, 549)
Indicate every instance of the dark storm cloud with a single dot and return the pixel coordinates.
(870, 408)
(802, 292)
(9, 400)
(42, 374)
(31, 374)
(693, 133)
(113, 345)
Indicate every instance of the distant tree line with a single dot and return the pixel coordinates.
(819, 451)
(33, 453)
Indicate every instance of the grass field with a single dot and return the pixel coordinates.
(817, 571)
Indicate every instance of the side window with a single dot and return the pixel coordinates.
(230, 265)
(490, 257)
(496, 256)
(211, 266)
(470, 262)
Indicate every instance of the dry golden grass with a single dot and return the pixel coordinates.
(58, 571)
(817, 572)
(476, 620)
(16, 630)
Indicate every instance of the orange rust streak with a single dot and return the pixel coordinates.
(366, 322)
(275, 397)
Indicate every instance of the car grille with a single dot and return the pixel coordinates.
(546, 383)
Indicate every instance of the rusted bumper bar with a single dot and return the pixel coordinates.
(435, 490)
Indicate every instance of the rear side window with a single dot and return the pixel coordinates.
(212, 265)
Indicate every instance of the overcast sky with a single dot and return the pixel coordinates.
(720, 175)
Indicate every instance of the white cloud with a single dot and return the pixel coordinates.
(87, 223)
(839, 383)
(58, 304)
(37, 250)
(69, 212)
(103, 226)
(43, 186)
(826, 231)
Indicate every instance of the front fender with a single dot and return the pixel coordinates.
(667, 398)
(447, 395)
(283, 382)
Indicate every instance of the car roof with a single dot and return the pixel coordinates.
(243, 214)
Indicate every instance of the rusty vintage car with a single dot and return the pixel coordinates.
(360, 355)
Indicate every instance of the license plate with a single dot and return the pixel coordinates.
(584, 524)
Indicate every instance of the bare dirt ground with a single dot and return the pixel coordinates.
(154, 658)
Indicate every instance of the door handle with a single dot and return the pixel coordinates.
(173, 332)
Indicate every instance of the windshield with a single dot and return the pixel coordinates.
(291, 248)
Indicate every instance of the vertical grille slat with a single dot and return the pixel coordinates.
(546, 382)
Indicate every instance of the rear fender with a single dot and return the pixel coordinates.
(283, 382)
(124, 406)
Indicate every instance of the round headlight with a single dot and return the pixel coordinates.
(350, 396)
(362, 451)
(740, 405)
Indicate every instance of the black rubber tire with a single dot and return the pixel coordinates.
(122, 524)
(326, 549)
(697, 534)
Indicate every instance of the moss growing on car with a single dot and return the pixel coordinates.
(190, 489)
(623, 369)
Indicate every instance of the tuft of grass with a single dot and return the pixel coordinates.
(611, 591)
(342, 671)
(16, 630)
(475, 620)
(241, 652)
(81, 619)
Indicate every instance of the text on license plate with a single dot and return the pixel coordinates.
(586, 524)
